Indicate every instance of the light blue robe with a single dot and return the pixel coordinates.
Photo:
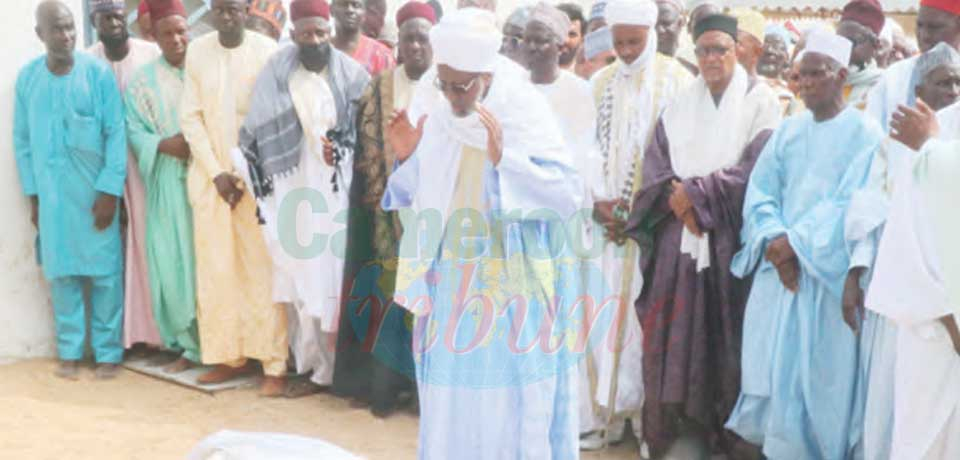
(495, 375)
(799, 357)
(70, 146)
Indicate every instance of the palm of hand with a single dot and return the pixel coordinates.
(403, 136)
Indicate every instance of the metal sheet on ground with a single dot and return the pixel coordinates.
(188, 378)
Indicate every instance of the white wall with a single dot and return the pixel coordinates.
(26, 319)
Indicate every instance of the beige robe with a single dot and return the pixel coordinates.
(236, 314)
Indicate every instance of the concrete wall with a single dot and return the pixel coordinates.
(26, 320)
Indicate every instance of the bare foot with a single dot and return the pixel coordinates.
(272, 387)
(223, 373)
(107, 371)
(68, 370)
(178, 366)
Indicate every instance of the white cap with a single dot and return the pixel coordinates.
(467, 40)
(631, 13)
(830, 45)
(938, 56)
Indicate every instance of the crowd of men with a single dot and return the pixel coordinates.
(537, 235)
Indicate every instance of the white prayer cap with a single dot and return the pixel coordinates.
(467, 40)
(598, 10)
(557, 21)
(830, 45)
(631, 13)
(520, 16)
(938, 56)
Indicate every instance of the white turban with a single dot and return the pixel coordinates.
(830, 45)
(632, 13)
(467, 40)
(938, 56)
(557, 21)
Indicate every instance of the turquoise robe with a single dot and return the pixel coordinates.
(799, 358)
(152, 102)
(70, 145)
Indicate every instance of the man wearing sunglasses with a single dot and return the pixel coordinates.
(487, 171)
(691, 306)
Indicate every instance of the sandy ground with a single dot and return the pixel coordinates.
(140, 418)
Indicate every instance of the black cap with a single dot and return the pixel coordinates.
(720, 22)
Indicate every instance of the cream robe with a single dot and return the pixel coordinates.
(236, 315)
(639, 97)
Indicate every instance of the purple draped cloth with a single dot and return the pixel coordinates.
(692, 322)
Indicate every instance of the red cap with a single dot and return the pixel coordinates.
(160, 9)
(414, 9)
(143, 8)
(867, 13)
(950, 6)
(300, 9)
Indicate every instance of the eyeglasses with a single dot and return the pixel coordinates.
(455, 88)
(707, 51)
(511, 42)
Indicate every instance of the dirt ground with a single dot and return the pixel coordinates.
(139, 418)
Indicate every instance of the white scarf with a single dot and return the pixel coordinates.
(698, 152)
(623, 128)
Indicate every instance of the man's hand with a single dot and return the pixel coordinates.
(175, 146)
(603, 211)
(35, 211)
(104, 210)
(679, 201)
(789, 273)
(780, 251)
(914, 127)
(853, 300)
(402, 135)
(951, 324)
(494, 135)
(328, 152)
(690, 222)
(228, 188)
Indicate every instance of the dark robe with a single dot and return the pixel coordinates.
(691, 321)
(374, 359)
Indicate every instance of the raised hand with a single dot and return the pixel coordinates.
(403, 136)
(494, 135)
(914, 127)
